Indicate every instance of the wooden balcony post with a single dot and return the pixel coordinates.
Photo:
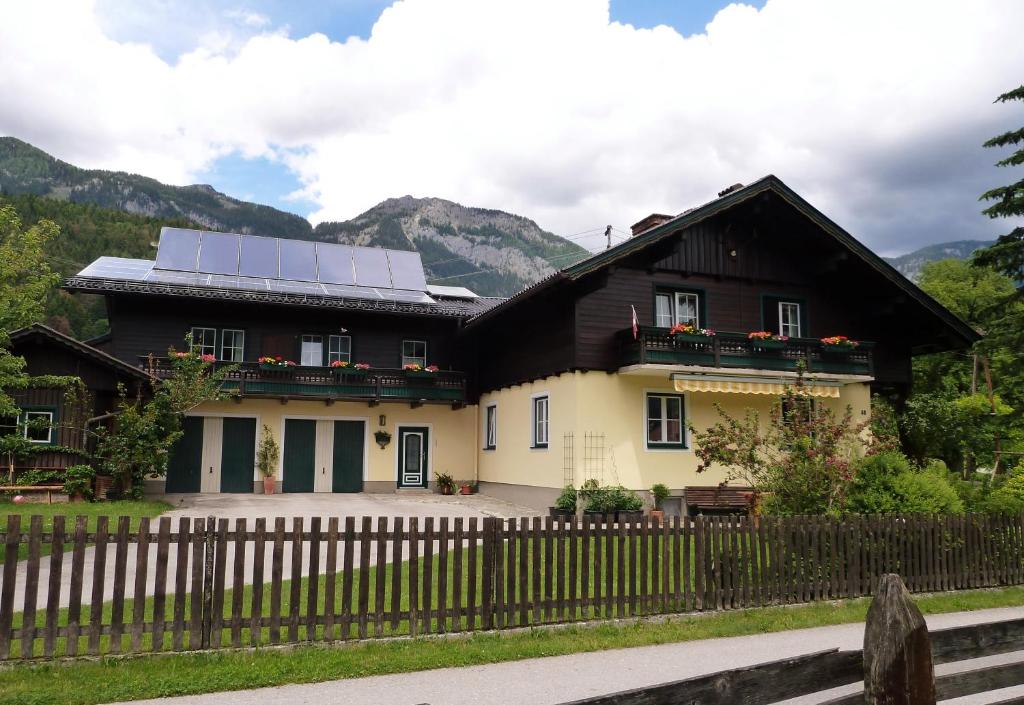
(897, 650)
(717, 347)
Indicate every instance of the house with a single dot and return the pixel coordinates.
(57, 420)
(550, 387)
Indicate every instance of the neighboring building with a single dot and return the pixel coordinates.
(69, 414)
(546, 388)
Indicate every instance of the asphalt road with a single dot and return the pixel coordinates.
(547, 681)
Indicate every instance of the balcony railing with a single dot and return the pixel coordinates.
(656, 346)
(251, 379)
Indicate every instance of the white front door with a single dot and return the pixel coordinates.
(412, 457)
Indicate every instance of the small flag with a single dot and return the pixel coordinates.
(636, 323)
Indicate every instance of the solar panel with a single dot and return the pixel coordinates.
(118, 268)
(163, 276)
(335, 263)
(371, 266)
(298, 260)
(351, 292)
(296, 287)
(178, 249)
(243, 283)
(218, 253)
(258, 257)
(406, 270)
(406, 297)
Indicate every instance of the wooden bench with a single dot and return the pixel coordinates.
(48, 489)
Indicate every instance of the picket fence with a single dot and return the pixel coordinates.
(213, 583)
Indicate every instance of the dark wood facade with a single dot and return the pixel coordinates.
(48, 352)
(760, 250)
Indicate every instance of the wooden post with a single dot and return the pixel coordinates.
(897, 650)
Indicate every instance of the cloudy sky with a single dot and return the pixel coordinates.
(576, 113)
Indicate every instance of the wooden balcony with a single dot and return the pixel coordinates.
(374, 386)
(654, 346)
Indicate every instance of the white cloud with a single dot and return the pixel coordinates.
(873, 110)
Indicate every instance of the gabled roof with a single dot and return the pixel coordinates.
(77, 347)
(731, 199)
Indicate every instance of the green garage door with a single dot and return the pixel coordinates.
(238, 455)
(299, 455)
(185, 464)
(348, 456)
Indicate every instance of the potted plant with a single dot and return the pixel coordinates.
(78, 481)
(267, 455)
(382, 438)
(690, 333)
(565, 505)
(349, 369)
(445, 483)
(660, 493)
(467, 488)
(276, 363)
(766, 340)
(838, 344)
(627, 504)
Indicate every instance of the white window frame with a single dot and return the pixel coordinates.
(240, 347)
(414, 359)
(675, 300)
(540, 424)
(786, 329)
(49, 428)
(684, 431)
(311, 338)
(200, 345)
(336, 354)
(491, 426)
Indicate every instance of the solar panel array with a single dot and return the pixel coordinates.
(253, 263)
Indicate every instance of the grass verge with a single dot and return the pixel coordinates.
(86, 683)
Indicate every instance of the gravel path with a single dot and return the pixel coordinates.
(546, 681)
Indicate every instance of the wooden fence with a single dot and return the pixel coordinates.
(209, 583)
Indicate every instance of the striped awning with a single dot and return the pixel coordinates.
(774, 386)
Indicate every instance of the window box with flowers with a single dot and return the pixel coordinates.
(414, 370)
(838, 345)
(275, 364)
(691, 333)
(766, 340)
(343, 368)
(205, 357)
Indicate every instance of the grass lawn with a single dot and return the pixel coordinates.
(84, 683)
(136, 509)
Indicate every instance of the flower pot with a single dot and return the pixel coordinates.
(422, 374)
(657, 516)
(628, 515)
(269, 485)
(770, 344)
(563, 514)
(837, 349)
(445, 489)
(466, 489)
(690, 338)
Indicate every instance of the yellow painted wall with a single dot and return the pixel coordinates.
(452, 432)
(613, 405)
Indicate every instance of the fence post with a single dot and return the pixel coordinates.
(487, 573)
(897, 650)
(208, 564)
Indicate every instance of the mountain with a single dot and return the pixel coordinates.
(911, 263)
(27, 169)
(491, 252)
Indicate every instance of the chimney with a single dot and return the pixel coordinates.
(651, 221)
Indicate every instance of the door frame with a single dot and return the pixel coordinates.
(429, 470)
(234, 415)
(323, 417)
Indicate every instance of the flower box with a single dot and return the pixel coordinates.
(420, 373)
(349, 372)
(769, 344)
(692, 338)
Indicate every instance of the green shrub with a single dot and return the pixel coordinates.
(888, 483)
(660, 493)
(78, 480)
(567, 500)
(1008, 498)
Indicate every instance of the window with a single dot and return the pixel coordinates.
(8, 425)
(789, 319)
(540, 422)
(232, 345)
(665, 421)
(491, 427)
(312, 351)
(39, 426)
(339, 348)
(204, 341)
(677, 307)
(797, 410)
(414, 352)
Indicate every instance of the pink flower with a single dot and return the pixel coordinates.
(208, 358)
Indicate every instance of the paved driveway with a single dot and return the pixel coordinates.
(251, 507)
